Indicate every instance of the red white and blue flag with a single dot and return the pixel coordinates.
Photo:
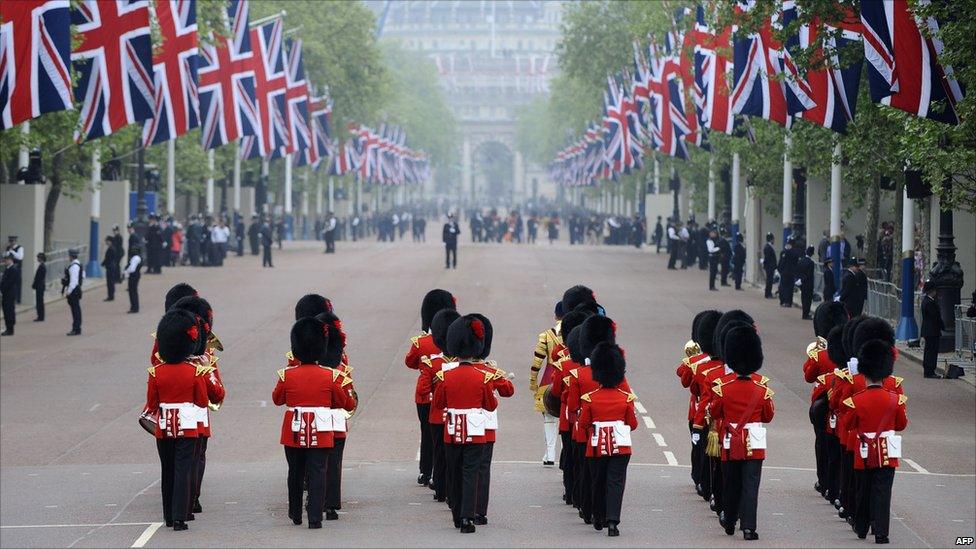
(35, 48)
(114, 61)
(175, 65)
(297, 122)
(320, 116)
(713, 69)
(756, 91)
(270, 87)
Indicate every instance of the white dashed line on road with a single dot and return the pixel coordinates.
(659, 439)
(94, 407)
(50, 506)
(230, 503)
(147, 534)
(916, 466)
(670, 457)
(640, 408)
(648, 422)
(111, 505)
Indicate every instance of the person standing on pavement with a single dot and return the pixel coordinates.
(450, 237)
(674, 244)
(133, 271)
(738, 261)
(853, 288)
(39, 285)
(239, 234)
(932, 326)
(254, 234)
(119, 246)
(8, 288)
(154, 247)
(194, 239)
(329, 233)
(769, 264)
(805, 268)
(17, 253)
(830, 286)
(219, 235)
(111, 265)
(787, 273)
(714, 256)
(266, 240)
(658, 235)
(71, 283)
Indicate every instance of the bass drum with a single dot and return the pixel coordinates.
(551, 402)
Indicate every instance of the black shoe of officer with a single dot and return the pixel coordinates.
(331, 514)
(296, 519)
(440, 499)
(713, 504)
(197, 508)
(467, 527)
(480, 520)
(612, 530)
(75, 333)
(179, 525)
(423, 480)
(750, 535)
(314, 525)
(598, 525)
(881, 539)
(169, 524)
(190, 516)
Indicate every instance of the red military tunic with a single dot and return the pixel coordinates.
(215, 387)
(871, 411)
(580, 383)
(345, 370)
(708, 373)
(178, 394)
(740, 405)
(847, 387)
(463, 387)
(608, 405)
(434, 364)
(686, 372)
(818, 363)
(420, 346)
(560, 388)
(320, 390)
(501, 385)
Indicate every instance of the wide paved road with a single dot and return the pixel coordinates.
(76, 470)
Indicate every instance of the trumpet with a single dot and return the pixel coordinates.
(213, 342)
(692, 349)
(814, 348)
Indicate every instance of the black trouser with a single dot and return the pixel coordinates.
(240, 247)
(806, 298)
(832, 445)
(74, 301)
(737, 277)
(200, 465)
(818, 417)
(310, 463)
(583, 480)
(770, 273)
(786, 289)
(714, 480)
(608, 477)
(450, 252)
(741, 492)
(712, 272)
(329, 242)
(846, 479)
(39, 303)
(698, 458)
(133, 288)
(566, 464)
(874, 500)
(426, 444)
(930, 355)
(439, 461)
(484, 480)
(110, 285)
(254, 246)
(724, 264)
(463, 461)
(176, 482)
(333, 475)
(9, 312)
(194, 252)
(266, 259)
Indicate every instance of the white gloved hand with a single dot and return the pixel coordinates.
(695, 437)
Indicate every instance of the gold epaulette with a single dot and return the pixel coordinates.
(586, 397)
(844, 374)
(558, 364)
(281, 374)
(289, 356)
(822, 378)
(213, 342)
(898, 380)
(152, 371)
(574, 372)
(717, 389)
(849, 402)
(498, 374)
(763, 380)
(566, 381)
(426, 361)
(694, 365)
(415, 340)
(346, 380)
(902, 399)
(204, 369)
(439, 375)
(158, 356)
(630, 396)
(769, 392)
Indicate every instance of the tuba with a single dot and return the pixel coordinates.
(692, 349)
(814, 348)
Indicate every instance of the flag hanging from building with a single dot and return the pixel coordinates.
(175, 73)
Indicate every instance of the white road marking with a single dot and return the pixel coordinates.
(659, 439)
(777, 514)
(85, 474)
(230, 503)
(94, 407)
(32, 474)
(657, 510)
(136, 472)
(535, 507)
(672, 461)
(111, 505)
(50, 506)
(640, 408)
(22, 526)
(264, 403)
(648, 422)
(958, 520)
(940, 485)
(413, 503)
(665, 476)
(143, 539)
(915, 466)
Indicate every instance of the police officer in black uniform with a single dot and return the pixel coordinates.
(74, 276)
(449, 237)
(769, 264)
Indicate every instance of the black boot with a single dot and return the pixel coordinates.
(729, 528)
(197, 508)
(467, 527)
(612, 530)
(331, 514)
(480, 520)
(179, 525)
(314, 525)
(881, 539)
(750, 535)
(423, 480)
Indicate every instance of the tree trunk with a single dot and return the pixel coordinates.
(51, 202)
(896, 243)
(923, 236)
(871, 225)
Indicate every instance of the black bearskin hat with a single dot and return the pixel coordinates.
(694, 324)
(875, 359)
(311, 305)
(439, 325)
(572, 342)
(571, 320)
(176, 292)
(871, 328)
(489, 332)
(199, 307)
(178, 335)
(466, 338)
(828, 315)
(596, 329)
(608, 364)
(309, 340)
(743, 349)
(705, 336)
(434, 301)
(835, 346)
(849, 328)
(718, 336)
(577, 295)
(336, 344)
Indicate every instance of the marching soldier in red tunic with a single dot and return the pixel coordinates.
(827, 316)
(432, 365)
(876, 415)
(466, 394)
(335, 358)
(174, 294)
(741, 407)
(837, 356)
(311, 392)
(177, 397)
(420, 347)
(560, 390)
(690, 372)
(609, 416)
(547, 353)
(694, 357)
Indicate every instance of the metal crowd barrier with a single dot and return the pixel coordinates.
(58, 261)
(965, 334)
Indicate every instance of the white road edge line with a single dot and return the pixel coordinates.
(648, 422)
(94, 407)
(659, 439)
(147, 534)
(777, 467)
(670, 457)
(5, 527)
(640, 408)
(916, 466)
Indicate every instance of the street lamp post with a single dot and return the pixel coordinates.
(947, 274)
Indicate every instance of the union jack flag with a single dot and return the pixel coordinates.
(114, 60)
(797, 89)
(347, 159)
(679, 44)
(903, 63)
(227, 101)
(756, 91)
(713, 69)
(669, 117)
(270, 87)
(297, 122)
(175, 65)
(35, 47)
(615, 123)
(320, 115)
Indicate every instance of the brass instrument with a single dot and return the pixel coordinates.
(692, 349)
(213, 343)
(814, 348)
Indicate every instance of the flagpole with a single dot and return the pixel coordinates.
(835, 197)
(289, 220)
(237, 177)
(93, 268)
(787, 186)
(23, 155)
(305, 203)
(318, 195)
(735, 195)
(210, 182)
(331, 194)
(171, 176)
(907, 327)
(711, 187)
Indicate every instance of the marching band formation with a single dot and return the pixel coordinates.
(578, 379)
